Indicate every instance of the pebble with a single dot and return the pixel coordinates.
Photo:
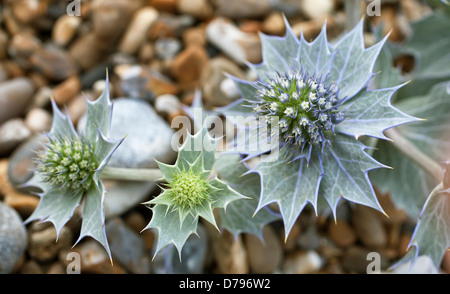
(356, 260)
(446, 262)
(94, 259)
(167, 48)
(142, 144)
(44, 246)
(195, 35)
(167, 104)
(15, 94)
(264, 255)
(302, 262)
(29, 11)
(137, 30)
(21, 165)
(31, 267)
(3, 44)
(143, 82)
(87, 51)
(369, 227)
(13, 238)
(309, 239)
(198, 8)
(12, 133)
(168, 6)
(229, 252)
(65, 29)
(110, 18)
(38, 120)
(315, 9)
(342, 233)
(238, 45)
(116, 204)
(188, 66)
(273, 24)
(243, 8)
(127, 247)
(212, 89)
(54, 63)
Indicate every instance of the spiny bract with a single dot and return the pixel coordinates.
(319, 93)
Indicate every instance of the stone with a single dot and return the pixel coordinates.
(143, 144)
(229, 252)
(143, 82)
(316, 8)
(212, 89)
(56, 64)
(65, 29)
(167, 104)
(445, 265)
(56, 269)
(94, 259)
(29, 11)
(243, 8)
(194, 35)
(188, 66)
(198, 8)
(44, 246)
(110, 18)
(87, 51)
(127, 247)
(135, 221)
(12, 133)
(168, 6)
(369, 227)
(15, 94)
(21, 165)
(137, 30)
(31, 267)
(38, 120)
(167, 48)
(274, 24)
(193, 256)
(301, 262)
(238, 45)
(264, 255)
(356, 259)
(77, 107)
(116, 203)
(341, 233)
(65, 91)
(309, 239)
(3, 44)
(13, 238)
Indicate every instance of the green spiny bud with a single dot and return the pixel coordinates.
(67, 164)
(189, 190)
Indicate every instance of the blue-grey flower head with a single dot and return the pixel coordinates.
(320, 94)
(306, 105)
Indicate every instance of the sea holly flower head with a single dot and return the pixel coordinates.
(191, 192)
(320, 94)
(307, 108)
(68, 170)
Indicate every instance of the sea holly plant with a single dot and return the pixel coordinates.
(191, 192)
(320, 94)
(68, 170)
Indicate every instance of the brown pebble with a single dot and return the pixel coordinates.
(64, 92)
(341, 233)
(188, 66)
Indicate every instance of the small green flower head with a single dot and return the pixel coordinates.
(67, 164)
(189, 190)
(307, 108)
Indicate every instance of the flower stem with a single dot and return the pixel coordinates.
(415, 154)
(131, 174)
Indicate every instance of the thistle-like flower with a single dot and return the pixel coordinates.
(68, 170)
(191, 192)
(319, 93)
